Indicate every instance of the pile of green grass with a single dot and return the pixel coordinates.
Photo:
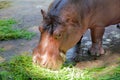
(21, 68)
(7, 32)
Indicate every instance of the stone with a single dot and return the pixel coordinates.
(88, 43)
(108, 40)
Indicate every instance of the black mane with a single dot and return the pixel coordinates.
(53, 15)
(57, 7)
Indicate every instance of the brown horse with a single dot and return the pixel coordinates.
(65, 23)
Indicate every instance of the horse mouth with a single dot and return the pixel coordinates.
(62, 54)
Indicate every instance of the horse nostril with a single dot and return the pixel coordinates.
(44, 64)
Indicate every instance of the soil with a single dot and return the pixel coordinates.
(27, 12)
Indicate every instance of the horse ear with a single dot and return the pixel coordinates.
(43, 14)
(45, 17)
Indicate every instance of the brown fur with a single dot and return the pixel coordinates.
(65, 23)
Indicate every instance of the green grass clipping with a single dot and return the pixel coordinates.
(22, 68)
(7, 32)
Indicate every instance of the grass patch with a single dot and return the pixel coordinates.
(7, 32)
(2, 49)
(21, 68)
(113, 74)
(4, 4)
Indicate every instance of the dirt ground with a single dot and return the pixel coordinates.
(27, 12)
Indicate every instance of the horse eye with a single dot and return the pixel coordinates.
(58, 36)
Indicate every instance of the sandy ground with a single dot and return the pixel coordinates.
(27, 12)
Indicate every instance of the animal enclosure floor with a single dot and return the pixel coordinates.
(29, 17)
